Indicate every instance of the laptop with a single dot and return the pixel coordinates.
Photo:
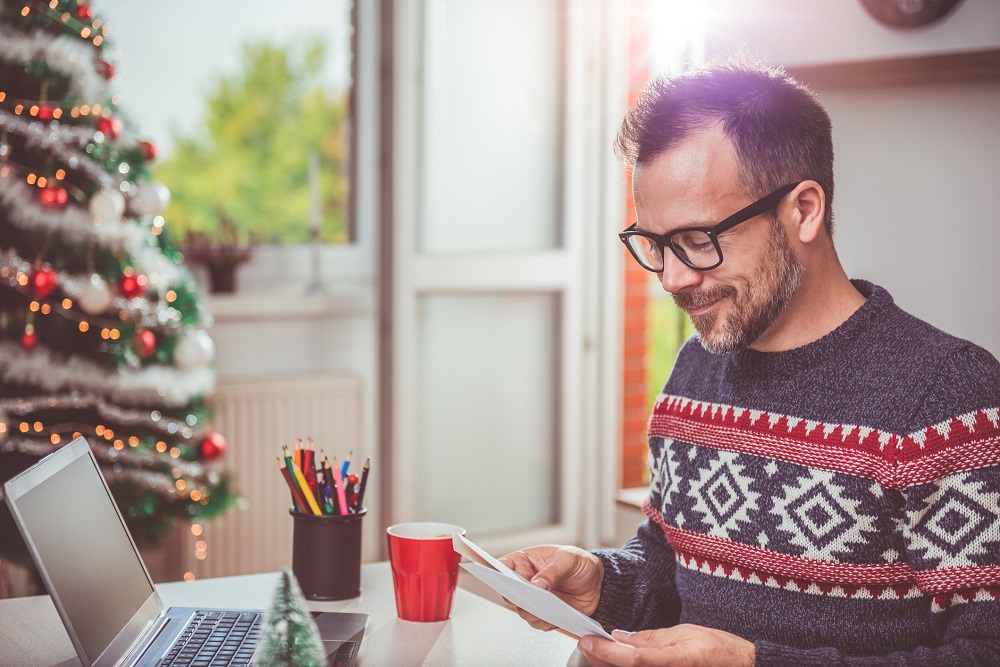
(103, 592)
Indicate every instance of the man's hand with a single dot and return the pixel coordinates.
(687, 645)
(572, 574)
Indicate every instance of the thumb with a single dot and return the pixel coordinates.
(637, 639)
(554, 571)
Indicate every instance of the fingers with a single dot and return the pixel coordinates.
(533, 620)
(560, 565)
(520, 563)
(603, 652)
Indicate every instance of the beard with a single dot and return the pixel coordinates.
(754, 308)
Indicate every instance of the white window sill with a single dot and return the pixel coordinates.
(249, 307)
(634, 497)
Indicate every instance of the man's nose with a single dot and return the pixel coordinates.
(677, 276)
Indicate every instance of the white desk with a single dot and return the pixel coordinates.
(479, 632)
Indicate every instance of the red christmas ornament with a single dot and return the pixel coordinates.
(148, 151)
(212, 447)
(105, 69)
(110, 126)
(52, 196)
(45, 112)
(144, 343)
(29, 340)
(85, 12)
(43, 282)
(132, 286)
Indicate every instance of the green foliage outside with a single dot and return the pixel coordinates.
(667, 328)
(249, 162)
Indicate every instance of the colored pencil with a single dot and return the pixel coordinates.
(310, 499)
(297, 498)
(361, 486)
(341, 497)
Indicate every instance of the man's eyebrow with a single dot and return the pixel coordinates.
(690, 225)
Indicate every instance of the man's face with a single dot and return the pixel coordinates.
(696, 184)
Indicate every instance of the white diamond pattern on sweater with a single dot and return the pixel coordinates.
(723, 495)
(820, 517)
(957, 523)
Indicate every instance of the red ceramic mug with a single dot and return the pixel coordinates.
(424, 569)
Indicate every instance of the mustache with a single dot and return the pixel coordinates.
(698, 298)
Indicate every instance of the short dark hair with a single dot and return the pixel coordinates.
(781, 133)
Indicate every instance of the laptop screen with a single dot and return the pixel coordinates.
(85, 552)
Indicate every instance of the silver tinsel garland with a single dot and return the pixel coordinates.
(68, 55)
(55, 373)
(56, 138)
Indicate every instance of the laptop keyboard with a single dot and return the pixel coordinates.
(215, 638)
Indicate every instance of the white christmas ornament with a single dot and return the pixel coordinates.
(95, 297)
(194, 350)
(107, 205)
(150, 198)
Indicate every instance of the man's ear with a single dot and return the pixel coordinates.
(807, 210)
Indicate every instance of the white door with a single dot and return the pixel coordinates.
(502, 169)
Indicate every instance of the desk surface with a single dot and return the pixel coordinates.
(479, 632)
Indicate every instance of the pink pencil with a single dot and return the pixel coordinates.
(341, 497)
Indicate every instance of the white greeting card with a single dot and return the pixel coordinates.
(534, 600)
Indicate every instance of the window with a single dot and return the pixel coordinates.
(253, 125)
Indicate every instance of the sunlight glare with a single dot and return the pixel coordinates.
(678, 34)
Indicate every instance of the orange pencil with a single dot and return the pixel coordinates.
(297, 452)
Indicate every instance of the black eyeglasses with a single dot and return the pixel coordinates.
(697, 247)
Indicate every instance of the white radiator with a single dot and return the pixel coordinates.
(257, 417)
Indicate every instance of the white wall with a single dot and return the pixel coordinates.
(916, 166)
(810, 32)
(915, 206)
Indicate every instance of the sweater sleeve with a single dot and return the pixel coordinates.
(949, 474)
(638, 591)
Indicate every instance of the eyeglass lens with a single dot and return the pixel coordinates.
(693, 247)
(647, 251)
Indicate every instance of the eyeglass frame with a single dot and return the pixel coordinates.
(762, 205)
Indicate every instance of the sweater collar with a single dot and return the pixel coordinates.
(878, 300)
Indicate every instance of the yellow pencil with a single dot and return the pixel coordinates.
(306, 491)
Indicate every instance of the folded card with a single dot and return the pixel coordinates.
(534, 600)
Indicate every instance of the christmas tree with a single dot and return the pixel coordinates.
(290, 637)
(101, 331)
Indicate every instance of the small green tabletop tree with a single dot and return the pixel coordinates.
(290, 638)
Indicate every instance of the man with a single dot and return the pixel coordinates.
(825, 467)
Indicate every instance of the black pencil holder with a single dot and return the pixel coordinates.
(326, 554)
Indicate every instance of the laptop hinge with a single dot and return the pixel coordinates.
(145, 642)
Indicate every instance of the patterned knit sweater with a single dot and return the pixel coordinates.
(836, 504)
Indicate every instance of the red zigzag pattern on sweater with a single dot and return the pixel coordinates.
(742, 562)
(964, 442)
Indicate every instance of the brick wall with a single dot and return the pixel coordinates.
(634, 318)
